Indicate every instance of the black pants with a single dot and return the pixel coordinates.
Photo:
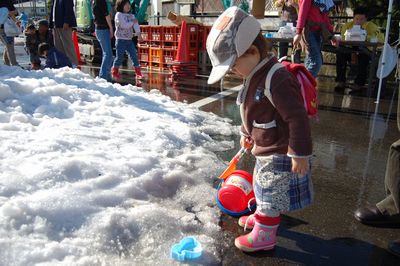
(362, 67)
(283, 51)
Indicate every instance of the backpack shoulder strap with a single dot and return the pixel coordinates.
(268, 79)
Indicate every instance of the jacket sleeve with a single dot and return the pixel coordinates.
(243, 131)
(373, 31)
(289, 104)
(304, 8)
(136, 26)
(345, 27)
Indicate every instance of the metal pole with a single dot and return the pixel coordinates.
(389, 17)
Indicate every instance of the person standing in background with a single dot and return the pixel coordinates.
(288, 10)
(386, 213)
(24, 20)
(313, 27)
(62, 20)
(9, 57)
(104, 34)
(344, 55)
(126, 27)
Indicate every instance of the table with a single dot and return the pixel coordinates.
(362, 45)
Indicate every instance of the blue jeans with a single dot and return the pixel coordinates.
(103, 36)
(313, 60)
(125, 45)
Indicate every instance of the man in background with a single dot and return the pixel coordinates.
(62, 20)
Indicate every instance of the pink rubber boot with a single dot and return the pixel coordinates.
(247, 221)
(263, 235)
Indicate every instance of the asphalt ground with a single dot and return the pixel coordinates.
(351, 142)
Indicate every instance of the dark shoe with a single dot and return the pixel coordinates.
(394, 247)
(340, 87)
(357, 90)
(372, 216)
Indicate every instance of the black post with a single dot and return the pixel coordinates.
(158, 18)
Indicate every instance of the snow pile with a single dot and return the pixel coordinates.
(93, 173)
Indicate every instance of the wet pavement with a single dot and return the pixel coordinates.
(351, 143)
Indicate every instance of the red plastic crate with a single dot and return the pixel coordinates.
(145, 33)
(193, 35)
(157, 33)
(168, 56)
(171, 33)
(156, 57)
(203, 34)
(194, 55)
(143, 52)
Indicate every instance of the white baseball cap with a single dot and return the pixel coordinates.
(230, 37)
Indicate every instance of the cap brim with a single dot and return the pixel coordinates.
(219, 71)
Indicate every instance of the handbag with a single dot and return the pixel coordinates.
(11, 29)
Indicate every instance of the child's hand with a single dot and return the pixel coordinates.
(300, 166)
(246, 142)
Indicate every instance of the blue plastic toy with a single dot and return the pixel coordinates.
(187, 249)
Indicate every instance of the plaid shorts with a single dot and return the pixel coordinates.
(277, 188)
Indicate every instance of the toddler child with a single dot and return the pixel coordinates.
(54, 58)
(279, 133)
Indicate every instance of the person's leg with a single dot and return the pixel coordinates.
(120, 49)
(134, 57)
(387, 211)
(391, 204)
(266, 219)
(363, 63)
(313, 60)
(57, 39)
(341, 66)
(3, 39)
(103, 36)
(283, 49)
(132, 53)
(10, 52)
(6, 61)
(297, 56)
(68, 46)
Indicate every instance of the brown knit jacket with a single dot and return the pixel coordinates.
(281, 130)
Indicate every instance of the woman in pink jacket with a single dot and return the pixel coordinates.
(313, 27)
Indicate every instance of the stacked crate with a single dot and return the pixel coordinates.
(158, 47)
(143, 46)
(193, 36)
(171, 40)
(156, 44)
